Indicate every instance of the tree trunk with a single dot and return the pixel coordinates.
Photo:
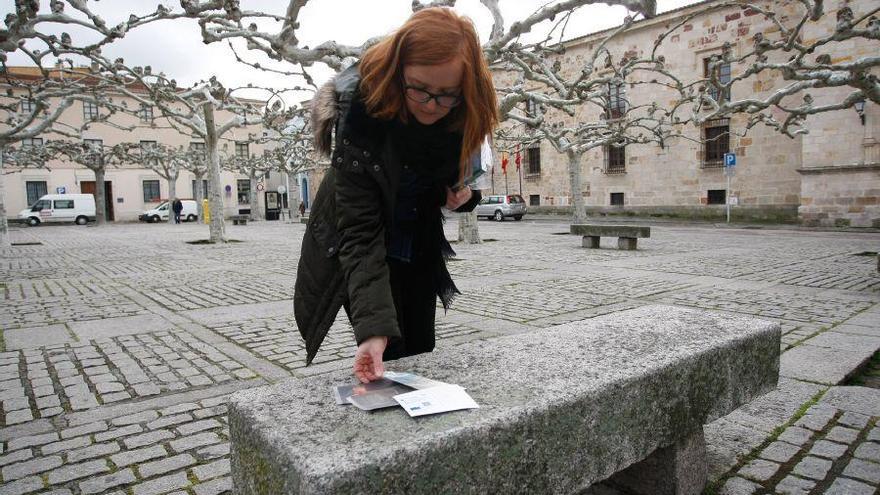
(252, 197)
(172, 193)
(199, 196)
(4, 223)
(215, 202)
(579, 213)
(292, 197)
(468, 230)
(100, 197)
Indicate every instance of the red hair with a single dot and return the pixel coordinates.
(429, 37)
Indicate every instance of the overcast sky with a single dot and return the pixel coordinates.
(176, 48)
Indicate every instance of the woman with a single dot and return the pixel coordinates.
(406, 120)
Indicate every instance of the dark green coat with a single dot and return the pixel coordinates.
(343, 252)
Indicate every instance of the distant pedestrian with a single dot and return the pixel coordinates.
(177, 206)
(302, 209)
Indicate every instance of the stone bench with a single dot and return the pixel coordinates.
(560, 409)
(239, 219)
(627, 235)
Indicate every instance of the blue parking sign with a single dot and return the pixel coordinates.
(729, 159)
(60, 190)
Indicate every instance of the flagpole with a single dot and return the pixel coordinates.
(519, 169)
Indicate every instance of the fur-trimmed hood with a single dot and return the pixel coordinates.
(331, 101)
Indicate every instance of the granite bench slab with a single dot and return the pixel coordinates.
(560, 409)
(627, 235)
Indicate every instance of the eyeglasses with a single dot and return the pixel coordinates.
(421, 96)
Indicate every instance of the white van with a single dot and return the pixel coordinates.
(189, 213)
(78, 208)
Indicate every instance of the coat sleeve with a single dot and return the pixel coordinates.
(362, 250)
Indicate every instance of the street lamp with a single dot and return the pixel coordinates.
(860, 109)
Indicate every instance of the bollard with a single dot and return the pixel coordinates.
(206, 212)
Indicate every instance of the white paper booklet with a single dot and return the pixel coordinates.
(435, 400)
(411, 380)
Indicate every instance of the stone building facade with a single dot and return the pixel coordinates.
(830, 176)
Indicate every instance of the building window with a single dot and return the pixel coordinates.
(717, 196)
(534, 200)
(616, 100)
(722, 73)
(615, 159)
(716, 142)
(533, 160)
(151, 191)
(31, 142)
(197, 146)
(146, 113)
(241, 150)
(28, 106)
(90, 110)
(35, 189)
(204, 188)
(616, 199)
(244, 191)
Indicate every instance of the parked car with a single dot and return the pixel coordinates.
(190, 212)
(499, 207)
(77, 208)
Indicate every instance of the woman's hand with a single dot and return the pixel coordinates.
(456, 199)
(368, 365)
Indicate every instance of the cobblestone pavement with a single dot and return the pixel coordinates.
(120, 344)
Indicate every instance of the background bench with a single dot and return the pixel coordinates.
(239, 219)
(627, 235)
(561, 409)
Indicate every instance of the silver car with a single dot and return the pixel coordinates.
(499, 207)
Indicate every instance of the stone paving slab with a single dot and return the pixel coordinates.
(109, 282)
(823, 364)
(32, 337)
(114, 327)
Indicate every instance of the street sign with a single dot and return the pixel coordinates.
(281, 189)
(729, 171)
(730, 159)
(60, 190)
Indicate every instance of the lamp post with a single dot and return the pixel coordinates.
(859, 106)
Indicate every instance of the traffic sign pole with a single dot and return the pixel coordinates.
(729, 164)
(727, 198)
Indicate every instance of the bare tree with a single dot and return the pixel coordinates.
(224, 21)
(95, 156)
(166, 161)
(582, 107)
(31, 105)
